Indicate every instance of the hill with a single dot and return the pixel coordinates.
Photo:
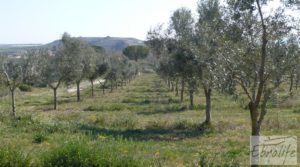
(109, 43)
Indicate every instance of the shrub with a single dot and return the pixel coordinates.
(22, 121)
(10, 157)
(71, 154)
(39, 138)
(81, 153)
(296, 110)
(25, 88)
(198, 107)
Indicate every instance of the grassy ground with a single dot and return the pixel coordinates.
(142, 124)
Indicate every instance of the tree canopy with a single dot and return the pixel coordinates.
(136, 52)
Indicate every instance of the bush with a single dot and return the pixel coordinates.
(22, 121)
(25, 88)
(39, 138)
(198, 107)
(296, 110)
(80, 153)
(10, 157)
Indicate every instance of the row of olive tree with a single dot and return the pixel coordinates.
(230, 45)
(71, 62)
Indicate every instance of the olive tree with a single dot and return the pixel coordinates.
(293, 50)
(111, 76)
(30, 66)
(248, 54)
(136, 52)
(156, 43)
(52, 72)
(182, 28)
(99, 70)
(78, 60)
(11, 72)
(205, 46)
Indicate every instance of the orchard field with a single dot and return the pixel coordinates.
(140, 124)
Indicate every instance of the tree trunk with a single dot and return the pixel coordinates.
(169, 84)
(92, 84)
(13, 102)
(55, 98)
(297, 82)
(78, 91)
(255, 126)
(192, 98)
(182, 91)
(291, 85)
(111, 86)
(208, 118)
(255, 129)
(103, 89)
(176, 89)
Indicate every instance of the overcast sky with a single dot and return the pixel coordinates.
(42, 21)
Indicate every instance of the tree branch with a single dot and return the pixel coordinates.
(263, 56)
(245, 89)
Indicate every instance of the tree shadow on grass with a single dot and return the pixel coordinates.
(174, 108)
(165, 110)
(148, 101)
(145, 134)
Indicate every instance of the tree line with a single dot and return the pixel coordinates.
(71, 62)
(230, 45)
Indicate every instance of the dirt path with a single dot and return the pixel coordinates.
(84, 85)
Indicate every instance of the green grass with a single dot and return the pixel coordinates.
(142, 124)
